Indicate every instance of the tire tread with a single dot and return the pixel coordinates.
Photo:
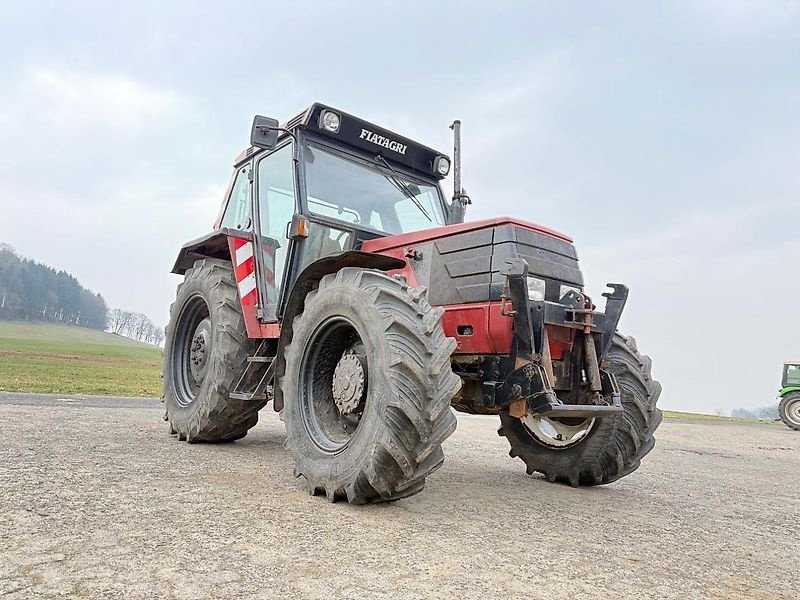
(617, 447)
(415, 423)
(216, 416)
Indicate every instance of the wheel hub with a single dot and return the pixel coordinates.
(199, 349)
(555, 433)
(348, 384)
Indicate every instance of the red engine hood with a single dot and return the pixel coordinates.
(415, 237)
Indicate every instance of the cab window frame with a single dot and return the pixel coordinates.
(238, 171)
(269, 311)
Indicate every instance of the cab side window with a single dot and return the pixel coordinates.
(238, 213)
(276, 205)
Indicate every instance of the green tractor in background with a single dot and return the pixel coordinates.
(789, 408)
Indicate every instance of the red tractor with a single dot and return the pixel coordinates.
(340, 284)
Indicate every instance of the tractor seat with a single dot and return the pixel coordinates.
(329, 246)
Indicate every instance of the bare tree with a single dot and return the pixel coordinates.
(126, 321)
(115, 316)
(135, 325)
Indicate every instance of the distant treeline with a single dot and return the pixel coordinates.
(31, 291)
(134, 325)
(768, 413)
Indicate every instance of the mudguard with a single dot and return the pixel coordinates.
(211, 245)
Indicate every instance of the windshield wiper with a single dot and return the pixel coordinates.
(402, 186)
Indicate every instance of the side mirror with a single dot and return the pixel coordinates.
(264, 133)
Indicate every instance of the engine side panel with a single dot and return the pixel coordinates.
(465, 267)
(462, 272)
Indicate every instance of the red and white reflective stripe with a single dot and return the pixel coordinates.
(245, 270)
(247, 285)
(243, 253)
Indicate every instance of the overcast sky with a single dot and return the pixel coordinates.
(664, 137)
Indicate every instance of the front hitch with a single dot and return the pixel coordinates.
(615, 302)
(527, 387)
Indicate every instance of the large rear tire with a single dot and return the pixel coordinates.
(789, 410)
(205, 353)
(613, 446)
(367, 388)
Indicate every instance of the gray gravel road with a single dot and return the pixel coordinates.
(97, 500)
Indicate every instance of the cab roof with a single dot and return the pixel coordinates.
(362, 135)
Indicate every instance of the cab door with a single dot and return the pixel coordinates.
(276, 204)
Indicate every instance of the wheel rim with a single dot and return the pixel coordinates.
(792, 412)
(557, 433)
(191, 350)
(333, 385)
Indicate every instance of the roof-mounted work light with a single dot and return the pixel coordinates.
(330, 121)
(442, 165)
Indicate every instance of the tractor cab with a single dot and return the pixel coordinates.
(791, 374)
(322, 184)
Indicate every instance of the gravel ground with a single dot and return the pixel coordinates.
(97, 500)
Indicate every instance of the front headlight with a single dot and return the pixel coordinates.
(535, 289)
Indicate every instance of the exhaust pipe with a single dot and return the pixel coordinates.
(458, 207)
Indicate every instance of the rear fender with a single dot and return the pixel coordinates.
(309, 280)
(211, 245)
(235, 246)
(788, 390)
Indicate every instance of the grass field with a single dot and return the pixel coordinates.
(59, 359)
(673, 414)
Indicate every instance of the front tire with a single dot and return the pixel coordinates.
(789, 410)
(205, 353)
(613, 446)
(367, 387)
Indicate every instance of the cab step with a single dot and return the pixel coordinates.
(257, 377)
(260, 359)
(247, 396)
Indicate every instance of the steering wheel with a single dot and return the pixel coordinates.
(338, 239)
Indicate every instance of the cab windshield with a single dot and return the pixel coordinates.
(372, 195)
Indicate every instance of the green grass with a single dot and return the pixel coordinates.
(60, 359)
(672, 414)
